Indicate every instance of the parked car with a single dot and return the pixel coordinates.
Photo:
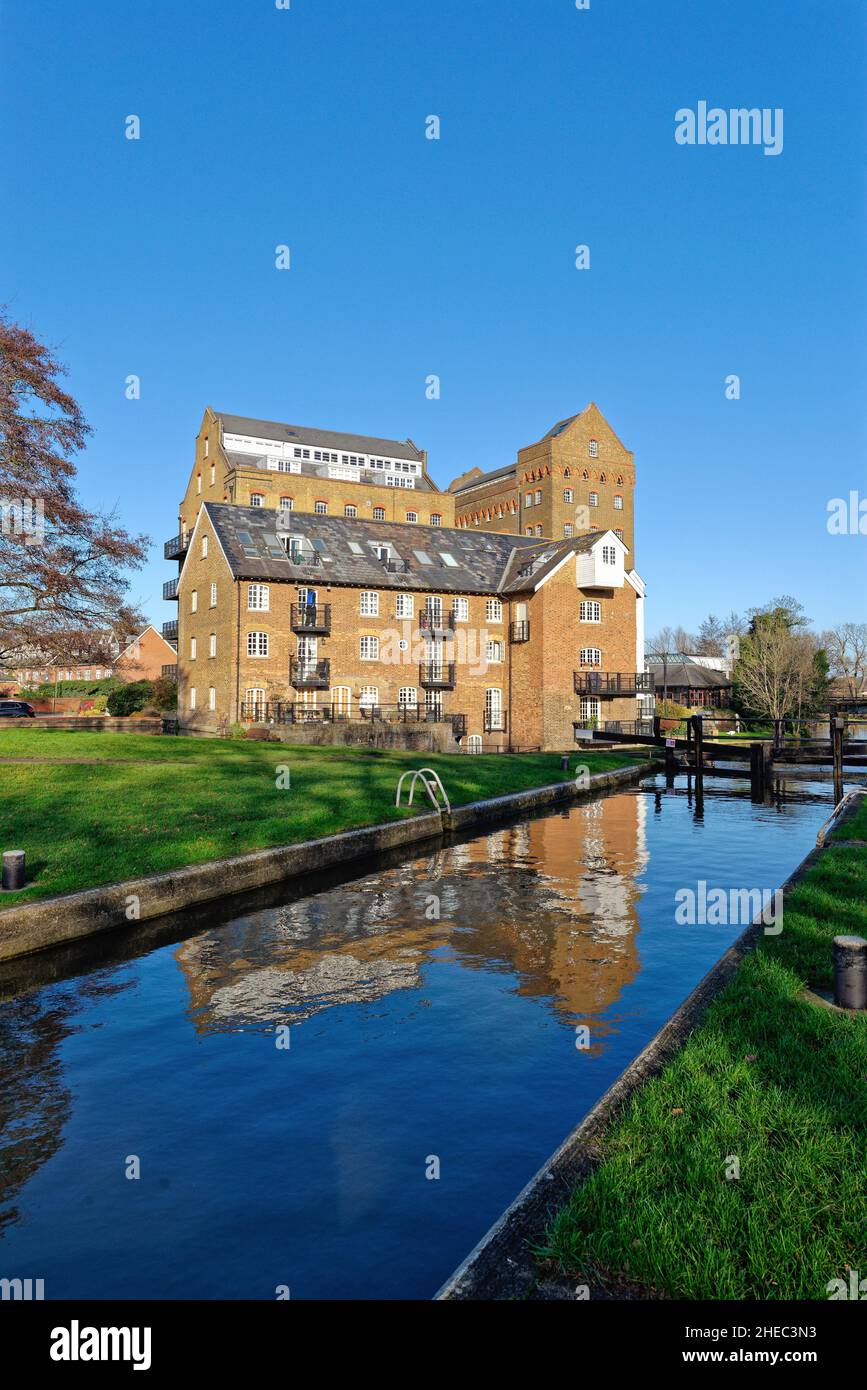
(16, 709)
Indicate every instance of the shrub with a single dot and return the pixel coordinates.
(129, 699)
(164, 694)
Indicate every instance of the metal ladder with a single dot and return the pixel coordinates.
(431, 783)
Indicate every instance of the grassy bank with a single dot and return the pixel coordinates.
(146, 804)
(770, 1079)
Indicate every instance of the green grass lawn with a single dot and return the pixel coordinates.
(167, 802)
(771, 1079)
(856, 828)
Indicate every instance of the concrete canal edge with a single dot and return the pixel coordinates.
(501, 1266)
(38, 926)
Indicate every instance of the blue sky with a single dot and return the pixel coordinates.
(306, 127)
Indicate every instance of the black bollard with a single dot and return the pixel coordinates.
(564, 762)
(850, 972)
(13, 869)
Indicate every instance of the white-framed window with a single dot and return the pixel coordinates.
(461, 609)
(213, 595)
(379, 513)
(538, 530)
(412, 516)
(436, 519)
(369, 696)
(594, 499)
(258, 598)
(474, 743)
(528, 530)
(254, 703)
(320, 508)
(407, 697)
(404, 605)
(590, 656)
(618, 533)
(538, 496)
(609, 555)
(212, 644)
(590, 611)
(350, 509)
(204, 547)
(212, 697)
(198, 482)
(567, 528)
(594, 448)
(590, 707)
(287, 504)
(194, 600)
(494, 651)
(192, 697)
(257, 499)
(213, 472)
(494, 610)
(369, 649)
(257, 644)
(618, 502)
(207, 446)
(341, 701)
(368, 604)
(494, 709)
(567, 494)
(528, 500)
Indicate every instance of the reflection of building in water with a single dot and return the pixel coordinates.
(553, 900)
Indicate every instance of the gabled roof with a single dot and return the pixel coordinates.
(305, 434)
(249, 538)
(688, 673)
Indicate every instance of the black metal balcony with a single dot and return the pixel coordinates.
(613, 683)
(170, 589)
(170, 671)
(311, 618)
(294, 712)
(495, 721)
(170, 630)
(459, 725)
(177, 547)
(310, 675)
(304, 555)
(436, 675)
(432, 620)
(520, 632)
(396, 566)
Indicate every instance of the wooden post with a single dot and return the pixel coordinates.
(13, 870)
(850, 972)
(757, 772)
(657, 727)
(778, 734)
(699, 744)
(837, 727)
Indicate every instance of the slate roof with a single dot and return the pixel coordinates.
(329, 439)
(689, 674)
(487, 563)
(485, 478)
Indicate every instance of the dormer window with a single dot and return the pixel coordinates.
(609, 555)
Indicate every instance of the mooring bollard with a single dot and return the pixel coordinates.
(850, 972)
(13, 869)
(564, 762)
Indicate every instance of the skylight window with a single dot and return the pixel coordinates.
(448, 559)
(422, 557)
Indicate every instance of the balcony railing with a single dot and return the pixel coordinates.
(295, 712)
(170, 671)
(310, 675)
(437, 675)
(177, 547)
(309, 618)
(396, 566)
(170, 589)
(170, 630)
(519, 632)
(495, 721)
(613, 683)
(434, 620)
(304, 555)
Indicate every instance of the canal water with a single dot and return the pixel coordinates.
(337, 1094)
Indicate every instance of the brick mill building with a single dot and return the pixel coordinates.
(327, 584)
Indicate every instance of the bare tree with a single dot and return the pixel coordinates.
(780, 673)
(846, 646)
(63, 569)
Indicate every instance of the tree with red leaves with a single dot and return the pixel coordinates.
(63, 569)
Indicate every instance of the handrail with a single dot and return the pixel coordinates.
(837, 813)
(432, 787)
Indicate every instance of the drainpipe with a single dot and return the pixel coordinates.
(509, 658)
(237, 654)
